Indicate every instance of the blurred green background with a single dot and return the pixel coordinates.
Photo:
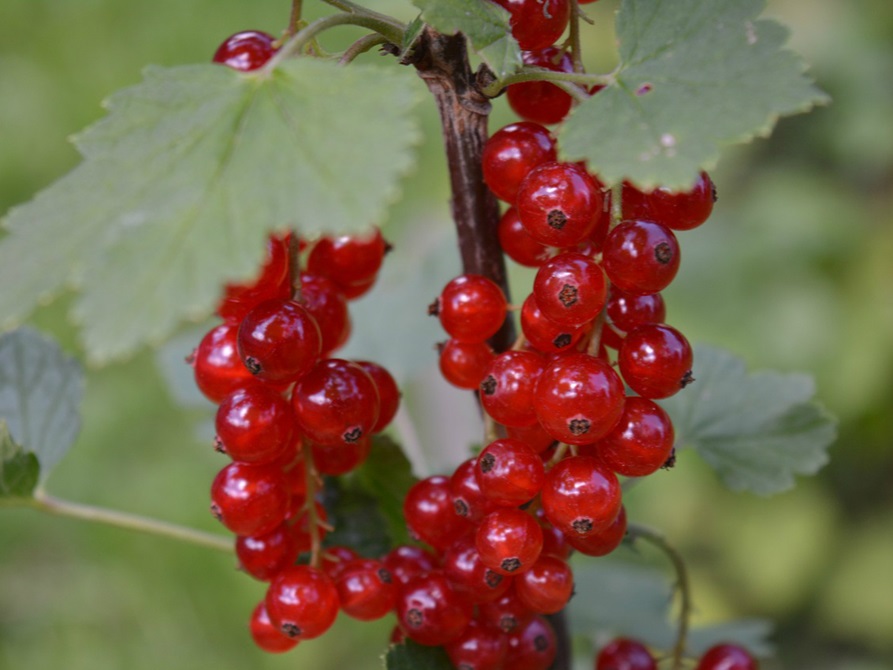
(793, 272)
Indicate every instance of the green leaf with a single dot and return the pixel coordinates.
(752, 634)
(387, 476)
(357, 520)
(40, 395)
(756, 430)
(185, 176)
(411, 655)
(19, 469)
(714, 75)
(485, 24)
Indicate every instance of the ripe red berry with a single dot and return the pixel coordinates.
(430, 611)
(327, 305)
(570, 289)
(727, 657)
(430, 515)
(302, 602)
(264, 556)
(532, 647)
(509, 472)
(216, 364)
(341, 458)
(655, 360)
(463, 364)
(537, 24)
(625, 654)
(388, 394)
(479, 647)
(272, 283)
(507, 387)
(249, 499)
(559, 204)
(545, 335)
(509, 541)
(350, 261)
(335, 558)
(533, 436)
(640, 443)
(581, 496)
(602, 542)
(246, 51)
(508, 613)
(255, 425)
(540, 101)
(336, 403)
(366, 589)
(517, 243)
(265, 635)
(469, 501)
(279, 341)
(471, 308)
(641, 257)
(579, 398)
(406, 561)
(627, 311)
(469, 576)
(513, 151)
(547, 587)
(679, 210)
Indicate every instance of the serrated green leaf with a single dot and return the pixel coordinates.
(756, 430)
(387, 476)
(485, 24)
(410, 655)
(356, 518)
(19, 469)
(184, 177)
(40, 395)
(693, 76)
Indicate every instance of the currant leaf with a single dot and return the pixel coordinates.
(357, 520)
(19, 469)
(693, 76)
(186, 175)
(756, 430)
(386, 476)
(485, 24)
(40, 395)
(409, 655)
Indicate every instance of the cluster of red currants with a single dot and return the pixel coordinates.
(626, 654)
(288, 413)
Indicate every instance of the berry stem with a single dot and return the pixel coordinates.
(636, 531)
(313, 521)
(576, 52)
(44, 502)
(561, 79)
(294, 18)
(361, 46)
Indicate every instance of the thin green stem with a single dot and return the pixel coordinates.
(562, 79)
(361, 46)
(295, 18)
(311, 479)
(682, 584)
(616, 204)
(576, 52)
(46, 503)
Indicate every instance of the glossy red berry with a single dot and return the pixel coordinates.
(272, 283)
(327, 305)
(641, 442)
(246, 51)
(407, 561)
(255, 425)
(366, 589)
(579, 398)
(506, 391)
(263, 556)
(547, 587)
(350, 261)
(471, 308)
(513, 151)
(469, 576)
(509, 541)
(625, 654)
(536, 24)
(388, 393)
(336, 403)
(469, 501)
(517, 243)
(533, 436)
(559, 204)
(509, 472)
(570, 289)
(532, 647)
(508, 613)
(727, 657)
(334, 559)
(540, 101)
(679, 210)
(655, 360)
(641, 257)
(430, 515)
(581, 496)
(602, 542)
(430, 611)
(341, 458)
(216, 364)
(302, 602)
(265, 635)
(627, 310)
(249, 499)
(279, 341)
(545, 335)
(463, 364)
(479, 647)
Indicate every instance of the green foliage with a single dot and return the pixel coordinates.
(19, 469)
(485, 24)
(410, 655)
(40, 395)
(693, 76)
(756, 430)
(387, 477)
(185, 176)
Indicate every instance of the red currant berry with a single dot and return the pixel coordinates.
(540, 101)
(677, 210)
(641, 443)
(641, 257)
(388, 394)
(469, 501)
(271, 284)
(407, 561)
(579, 398)
(430, 611)
(265, 635)
(627, 311)
(469, 576)
(366, 589)
(335, 559)
(478, 648)
(554, 541)
(727, 657)
(471, 308)
(581, 496)
(217, 367)
(349, 260)
(246, 51)
(532, 647)
(302, 602)
(536, 24)
(511, 152)
(279, 341)
(249, 499)
(602, 542)
(559, 204)
(263, 556)
(336, 403)
(507, 387)
(533, 436)
(655, 360)
(509, 472)
(625, 654)
(517, 243)
(509, 541)
(570, 289)
(508, 614)
(547, 587)
(255, 425)
(430, 515)
(545, 335)
(327, 305)
(463, 364)
(342, 458)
